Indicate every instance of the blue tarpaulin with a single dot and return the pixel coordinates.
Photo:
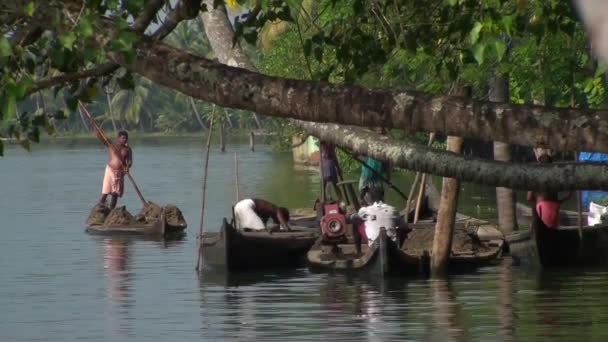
(586, 195)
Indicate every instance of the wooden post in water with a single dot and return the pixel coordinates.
(446, 217)
(251, 141)
(222, 137)
(236, 178)
(200, 232)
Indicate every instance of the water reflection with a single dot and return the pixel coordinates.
(116, 265)
(446, 311)
(505, 312)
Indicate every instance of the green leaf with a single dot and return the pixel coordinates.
(600, 70)
(507, 24)
(501, 48)
(85, 28)
(478, 50)
(474, 34)
(10, 107)
(67, 40)
(452, 2)
(5, 47)
(29, 8)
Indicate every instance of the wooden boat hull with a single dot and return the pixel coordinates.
(385, 257)
(232, 250)
(160, 228)
(541, 246)
(381, 258)
(464, 260)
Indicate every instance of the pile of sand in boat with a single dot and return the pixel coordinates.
(120, 216)
(464, 240)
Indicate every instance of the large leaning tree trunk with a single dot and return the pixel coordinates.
(505, 197)
(562, 129)
(220, 34)
(446, 217)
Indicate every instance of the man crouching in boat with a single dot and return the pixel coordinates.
(253, 213)
(547, 204)
(120, 159)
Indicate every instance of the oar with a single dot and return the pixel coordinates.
(200, 231)
(113, 148)
(391, 185)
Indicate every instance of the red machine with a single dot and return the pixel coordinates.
(333, 222)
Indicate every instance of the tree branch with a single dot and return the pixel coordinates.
(548, 177)
(139, 26)
(184, 10)
(559, 129)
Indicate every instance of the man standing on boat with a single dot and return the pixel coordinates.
(328, 168)
(120, 160)
(547, 204)
(371, 187)
(253, 213)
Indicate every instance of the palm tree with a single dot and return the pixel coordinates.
(130, 103)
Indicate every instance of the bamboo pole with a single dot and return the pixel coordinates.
(422, 186)
(419, 198)
(113, 148)
(236, 178)
(200, 230)
(222, 137)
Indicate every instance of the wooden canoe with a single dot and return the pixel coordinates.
(385, 257)
(540, 246)
(381, 258)
(232, 250)
(160, 228)
(488, 248)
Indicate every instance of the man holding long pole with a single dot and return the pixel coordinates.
(120, 160)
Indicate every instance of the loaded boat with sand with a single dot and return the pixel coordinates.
(399, 251)
(152, 220)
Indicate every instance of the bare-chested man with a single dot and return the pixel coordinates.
(253, 213)
(120, 159)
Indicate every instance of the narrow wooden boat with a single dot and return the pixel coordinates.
(486, 247)
(232, 250)
(385, 257)
(541, 246)
(381, 258)
(159, 228)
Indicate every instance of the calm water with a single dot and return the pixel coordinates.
(60, 284)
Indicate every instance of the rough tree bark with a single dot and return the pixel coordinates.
(220, 34)
(562, 129)
(520, 176)
(505, 197)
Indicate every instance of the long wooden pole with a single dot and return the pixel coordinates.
(200, 230)
(384, 179)
(579, 209)
(419, 198)
(236, 178)
(113, 148)
(413, 188)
